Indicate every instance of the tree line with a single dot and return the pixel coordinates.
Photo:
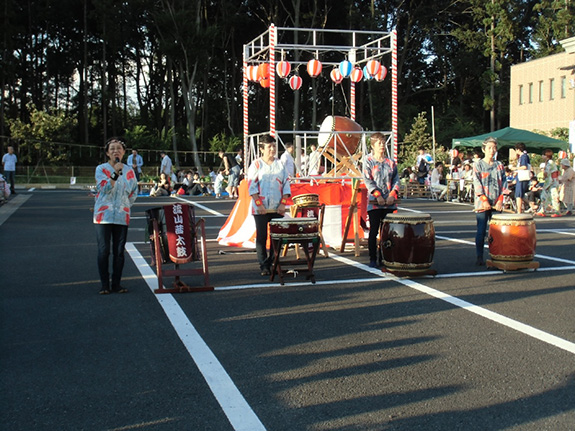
(167, 74)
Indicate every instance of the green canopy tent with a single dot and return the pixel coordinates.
(508, 137)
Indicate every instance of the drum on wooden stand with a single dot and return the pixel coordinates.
(293, 228)
(512, 240)
(332, 133)
(407, 243)
(302, 231)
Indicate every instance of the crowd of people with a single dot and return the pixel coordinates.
(549, 192)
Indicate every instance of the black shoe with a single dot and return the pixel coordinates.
(104, 291)
(265, 272)
(373, 264)
(479, 261)
(119, 289)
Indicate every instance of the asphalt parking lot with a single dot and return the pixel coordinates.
(471, 348)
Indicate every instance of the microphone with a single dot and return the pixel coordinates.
(118, 161)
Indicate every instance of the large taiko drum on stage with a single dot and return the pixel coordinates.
(294, 228)
(306, 200)
(512, 238)
(332, 134)
(407, 242)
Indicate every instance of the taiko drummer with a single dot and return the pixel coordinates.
(489, 183)
(382, 181)
(269, 188)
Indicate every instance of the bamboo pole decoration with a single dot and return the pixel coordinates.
(273, 31)
(394, 92)
(352, 100)
(245, 111)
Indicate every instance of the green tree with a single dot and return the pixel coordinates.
(554, 20)
(417, 137)
(43, 138)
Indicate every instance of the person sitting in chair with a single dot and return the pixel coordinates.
(436, 178)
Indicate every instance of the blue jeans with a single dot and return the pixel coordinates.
(117, 235)
(482, 222)
(10, 178)
(265, 259)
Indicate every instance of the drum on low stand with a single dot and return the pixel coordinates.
(303, 231)
(512, 239)
(407, 244)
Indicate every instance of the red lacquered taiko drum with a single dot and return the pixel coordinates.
(332, 133)
(294, 228)
(512, 237)
(407, 242)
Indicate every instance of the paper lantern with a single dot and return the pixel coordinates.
(373, 67)
(265, 83)
(314, 68)
(380, 76)
(295, 82)
(454, 153)
(356, 74)
(252, 73)
(263, 71)
(335, 76)
(345, 68)
(366, 74)
(562, 154)
(283, 69)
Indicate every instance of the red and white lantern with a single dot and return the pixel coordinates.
(356, 74)
(263, 71)
(295, 82)
(373, 67)
(454, 153)
(283, 69)
(380, 76)
(314, 68)
(562, 154)
(366, 74)
(345, 68)
(252, 73)
(336, 76)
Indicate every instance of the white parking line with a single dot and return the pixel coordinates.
(539, 256)
(214, 212)
(234, 405)
(495, 317)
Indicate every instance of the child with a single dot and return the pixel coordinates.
(219, 184)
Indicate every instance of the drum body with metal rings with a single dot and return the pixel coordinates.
(294, 228)
(332, 133)
(512, 237)
(407, 242)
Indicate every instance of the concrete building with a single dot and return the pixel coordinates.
(543, 91)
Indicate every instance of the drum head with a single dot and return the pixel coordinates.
(325, 131)
(512, 217)
(408, 217)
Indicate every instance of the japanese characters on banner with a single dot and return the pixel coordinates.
(180, 244)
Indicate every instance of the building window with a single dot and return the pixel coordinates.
(563, 87)
(521, 95)
(552, 89)
(530, 92)
(541, 91)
